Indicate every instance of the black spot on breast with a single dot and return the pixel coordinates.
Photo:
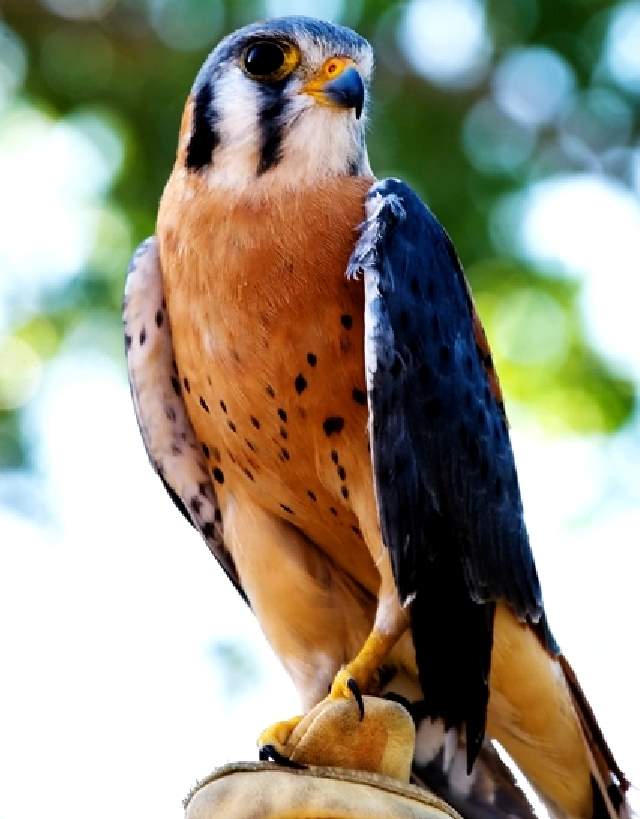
(208, 530)
(282, 415)
(217, 516)
(333, 424)
(176, 385)
(195, 504)
(312, 495)
(284, 454)
(255, 421)
(300, 383)
(345, 492)
(205, 451)
(312, 359)
(159, 318)
(127, 342)
(216, 453)
(342, 473)
(287, 509)
(356, 531)
(186, 384)
(223, 406)
(204, 404)
(250, 444)
(333, 511)
(283, 433)
(248, 473)
(143, 336)
(347, 321)
(270, 391)
(218, 474)
(231, 426)
(334, 456)
(176, 450)
(359, 396)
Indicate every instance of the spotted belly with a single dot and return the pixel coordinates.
(281, 415)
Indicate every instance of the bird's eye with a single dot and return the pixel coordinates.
(264, 59)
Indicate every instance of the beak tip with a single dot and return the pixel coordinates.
(347, 91)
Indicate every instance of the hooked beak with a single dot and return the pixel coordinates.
(338, 85)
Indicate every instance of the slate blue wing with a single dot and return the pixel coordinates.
(447, 491)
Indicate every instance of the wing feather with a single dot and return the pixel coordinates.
(446, 485)
(168, 436)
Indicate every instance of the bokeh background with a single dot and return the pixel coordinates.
(128, 666)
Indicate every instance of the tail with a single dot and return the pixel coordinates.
(608, 782)
(490, 791)
(539, 714)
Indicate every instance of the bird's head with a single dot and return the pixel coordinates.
(279, 103)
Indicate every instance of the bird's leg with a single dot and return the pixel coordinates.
(390, 623)
(310, 611)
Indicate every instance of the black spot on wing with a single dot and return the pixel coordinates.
(449, 501)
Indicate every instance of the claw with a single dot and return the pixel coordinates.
(268, 753)
(353, 686)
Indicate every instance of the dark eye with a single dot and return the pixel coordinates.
(263, 59)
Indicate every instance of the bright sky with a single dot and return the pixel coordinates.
(115, 615)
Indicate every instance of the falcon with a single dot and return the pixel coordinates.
(316, 392)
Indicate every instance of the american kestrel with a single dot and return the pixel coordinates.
(315, 389)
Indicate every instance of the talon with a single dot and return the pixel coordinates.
(353, 686)
(268, 753)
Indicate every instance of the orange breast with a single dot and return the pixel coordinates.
(268, 338)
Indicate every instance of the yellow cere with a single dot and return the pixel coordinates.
(331, 70)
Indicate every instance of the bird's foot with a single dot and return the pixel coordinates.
(345, 685)
(359, 675)
(272, 743)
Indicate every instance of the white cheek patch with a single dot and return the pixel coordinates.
(235, 158)
(320, 142)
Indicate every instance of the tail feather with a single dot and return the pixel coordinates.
(609, 783)
(490, 792)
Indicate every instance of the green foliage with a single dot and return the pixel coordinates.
(126, 72)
